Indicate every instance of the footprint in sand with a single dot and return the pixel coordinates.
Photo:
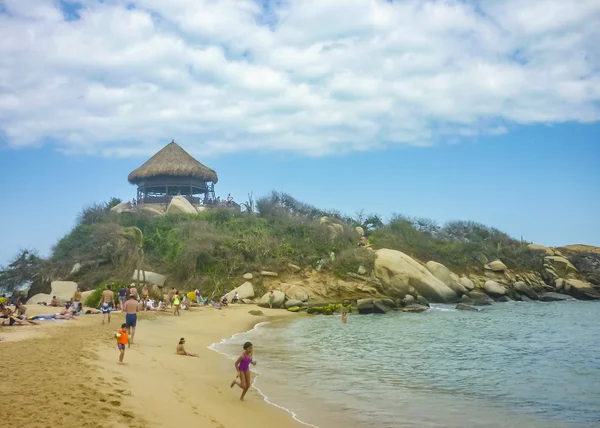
(115, 403)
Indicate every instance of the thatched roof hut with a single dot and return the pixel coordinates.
(173, 161)
(171, 172)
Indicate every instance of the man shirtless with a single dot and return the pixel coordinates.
(145, 297)
(107, 302)
(131, 309)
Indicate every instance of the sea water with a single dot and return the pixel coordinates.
(509, 365)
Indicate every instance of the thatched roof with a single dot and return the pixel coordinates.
(172, 160)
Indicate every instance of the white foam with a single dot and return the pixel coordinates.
(293, 414)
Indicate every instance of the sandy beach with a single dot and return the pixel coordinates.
(66, 373)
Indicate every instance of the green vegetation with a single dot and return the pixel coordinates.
(212, 249)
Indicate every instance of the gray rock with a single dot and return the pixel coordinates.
(293, 267)
(256, 312)
(504, 299)
(466, 300)
(247, 276)
(524, 298)
(277, 301)
(245, 291)
(525, 290)
(379, 307)
(554, 297)
(361, 270)
(408, 300)
(467, 283)
(464, 307)
(365, 306)
(496, 266)
(414, 308)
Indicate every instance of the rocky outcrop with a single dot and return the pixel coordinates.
(582, 290)
(40, 298)
(279, 299)
(400, 275)
(496, 266)
(63, 290)
(541, 249)
(524, 289)
(292, 303)
(480, 298)
(180, 205)
(365, 306)
(448, 277)
(294, 292)
(554, 297)
(414, 308)
(465, 307)
(148, 211)
(494, 289)
(151, 277)
(294, 268)
(562, 266)
(245, 291)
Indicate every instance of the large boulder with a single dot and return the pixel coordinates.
(365, 306)
(480, 298)
(245, 291)
(467, 283)
(380, 307)
(445, 275)
(151, 277)
(40, 298)
(294, 292)
(359, 230)
(582, 289)
(148, 211)
(332, 230)
(562, 266)
(496, 266)
(541, 249)
(554, 297)
(277, 302)
(494, 289)
(525, 290)
(63, 290)
(180, 205)
(399, 274)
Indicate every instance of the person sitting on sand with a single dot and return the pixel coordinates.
(181, 349)
(54, 302)
(242, 366)
(236, 298)
(224, 301)
(20, 309)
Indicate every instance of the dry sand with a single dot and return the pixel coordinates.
(66, 373)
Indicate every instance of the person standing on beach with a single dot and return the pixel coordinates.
(145, 296)
(131, 309)
(271, 299)
(108, 302)
(77, 298)
(122, 296)
(122, 339)
(176, 303)
(242, 366)
(170, 296)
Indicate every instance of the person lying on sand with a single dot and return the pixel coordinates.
(14, 321)
(181, 349)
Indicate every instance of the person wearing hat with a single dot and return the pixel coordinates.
(181, 349)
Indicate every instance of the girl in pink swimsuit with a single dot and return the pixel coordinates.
(242, 366)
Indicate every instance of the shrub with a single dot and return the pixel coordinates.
(93, 299)
(350, 260)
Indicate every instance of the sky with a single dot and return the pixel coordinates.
(476, 110)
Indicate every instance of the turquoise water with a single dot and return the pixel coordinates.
(509, 365)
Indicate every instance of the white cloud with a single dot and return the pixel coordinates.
(308, 76)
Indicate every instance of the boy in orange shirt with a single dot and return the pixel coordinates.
(122, 340)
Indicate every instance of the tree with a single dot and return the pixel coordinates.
(134, 250)
(26, 267)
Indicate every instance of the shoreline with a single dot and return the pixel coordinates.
(266, 398)
(192, 388)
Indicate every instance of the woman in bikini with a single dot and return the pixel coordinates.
(242, 366)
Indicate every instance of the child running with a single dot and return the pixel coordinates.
(242, 366)
(122, 340)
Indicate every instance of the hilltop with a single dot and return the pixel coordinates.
(279, 241)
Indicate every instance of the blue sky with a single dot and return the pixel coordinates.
(450, 109)
(537, 182)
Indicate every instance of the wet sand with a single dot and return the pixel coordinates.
(66, 373)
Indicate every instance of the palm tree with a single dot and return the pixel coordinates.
(134, 248)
